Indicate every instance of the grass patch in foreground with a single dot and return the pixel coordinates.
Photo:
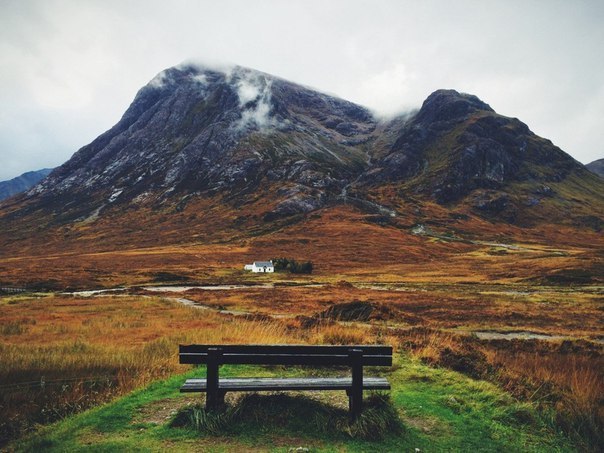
(441, 410)
(298, 414)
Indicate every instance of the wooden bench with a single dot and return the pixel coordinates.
(356, 357)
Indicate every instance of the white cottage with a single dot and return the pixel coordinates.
(260, 266)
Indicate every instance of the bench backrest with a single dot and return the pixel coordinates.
(286, 354)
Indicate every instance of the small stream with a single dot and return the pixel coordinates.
(182, 289)
(523, 335)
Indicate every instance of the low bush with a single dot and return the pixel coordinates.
(292, 266)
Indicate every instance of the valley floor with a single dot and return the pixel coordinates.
(499, 340)
(62, 353)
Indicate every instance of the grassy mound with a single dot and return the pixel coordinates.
(297, 414)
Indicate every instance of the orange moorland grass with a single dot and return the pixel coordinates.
(565, 376)
(574, 382)
(446, 306)
(58, 333)
(61, 354)
(339, 334)
(341, 242)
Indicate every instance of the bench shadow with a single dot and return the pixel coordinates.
(297, 415)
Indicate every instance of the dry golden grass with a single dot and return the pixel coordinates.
(446, 306)
(114, 331)
(339, 334)
(61, 354)
(86, 350)
(564, 376)
(551, 282)
(341, 242)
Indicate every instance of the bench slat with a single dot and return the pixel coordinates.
(285, 359)
(287, 349)
(284, 384)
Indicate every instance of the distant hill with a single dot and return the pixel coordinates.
(597, 166)
(22, 183)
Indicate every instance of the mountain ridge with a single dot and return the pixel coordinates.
(22, 182)
(254, 149)
(597, 167)
(226, 112)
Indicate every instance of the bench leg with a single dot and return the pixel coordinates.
(355, 404)
(215, 400)
(214, 397)
(355, 396)
(350, 404)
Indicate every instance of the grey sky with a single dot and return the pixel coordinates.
(69, 69)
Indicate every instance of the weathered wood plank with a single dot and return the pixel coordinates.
(286, 359)
(288, 349)
(285, 384)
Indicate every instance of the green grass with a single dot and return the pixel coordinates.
(440, 411)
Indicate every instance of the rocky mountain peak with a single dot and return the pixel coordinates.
(457, 146)
(195, 129)
(447, 105)
(263, 101)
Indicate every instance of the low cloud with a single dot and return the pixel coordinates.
(388, 92)
(201, 79)
(159, 80)
(247, 92)
(254, 92)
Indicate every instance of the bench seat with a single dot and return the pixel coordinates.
(284, 384)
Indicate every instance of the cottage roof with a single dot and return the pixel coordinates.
(263, 263)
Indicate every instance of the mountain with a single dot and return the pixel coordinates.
(22, 183)
(216, 154)
(597, 167)
(193, 130)
(457, 151)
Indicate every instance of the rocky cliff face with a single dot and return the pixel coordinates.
(247, 136)
(456, 143)
(194, 130)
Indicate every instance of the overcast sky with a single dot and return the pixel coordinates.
(69, 69)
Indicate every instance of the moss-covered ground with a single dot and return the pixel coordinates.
(440, 410)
